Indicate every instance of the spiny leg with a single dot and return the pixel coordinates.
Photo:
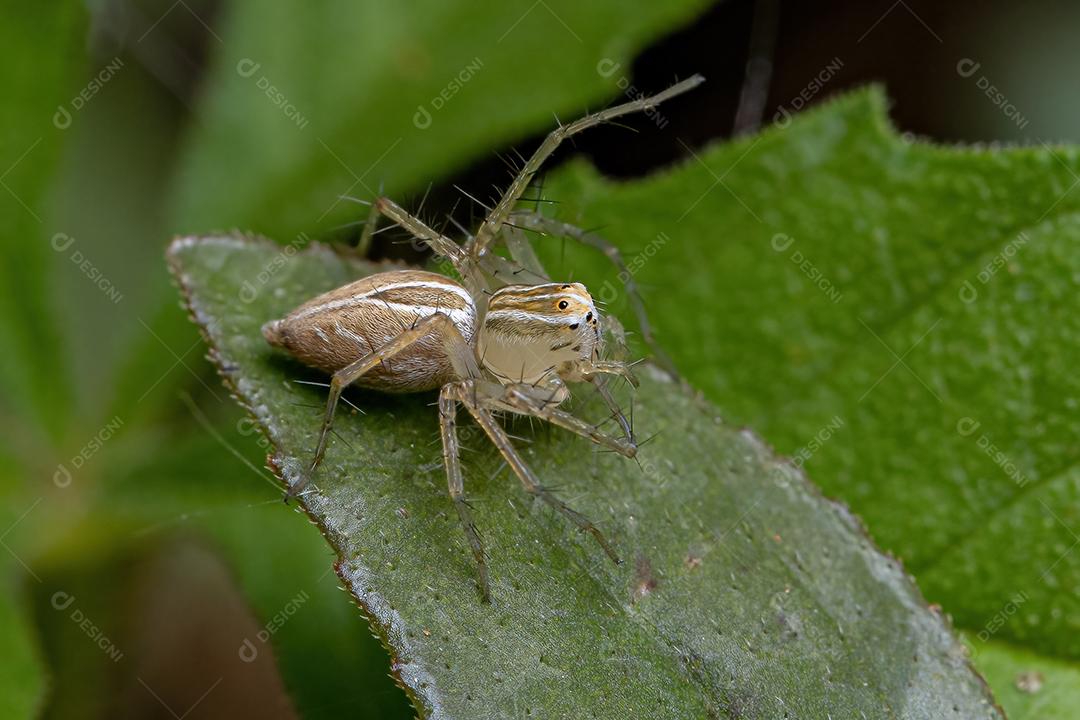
(522, 252)
(363, 247)
(452, 460)
(363, 244)
(550, 226)
(507, 272)
(625, 425)
(591, 370)
(532, 486)
(351, 372)
(439, 243)
(501, 270)
(529, 400)
(495, 219)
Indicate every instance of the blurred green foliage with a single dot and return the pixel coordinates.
(92, 198)
(187, 136)
(904, 319)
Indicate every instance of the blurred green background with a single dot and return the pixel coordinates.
(150, 568)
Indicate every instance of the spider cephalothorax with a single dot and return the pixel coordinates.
(531, 329)
(513, 349)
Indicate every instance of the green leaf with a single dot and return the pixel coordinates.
(291, 122)
(745, 594)
(1031, 686)
(209, 486)
(35, 59)
(904, 318)
(22, 681)
(93, 361)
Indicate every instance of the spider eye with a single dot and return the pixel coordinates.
(588, 318)
(563, 304)
(574, 326)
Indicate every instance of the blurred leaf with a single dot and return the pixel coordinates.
(292, 120)
(196, 486)
(22, 680)
(746, 594)
(1028, 685)
(36, 57)
(22, 673)
(902, 317)
(108, 192)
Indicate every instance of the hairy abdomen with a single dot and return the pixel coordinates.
(343, 325)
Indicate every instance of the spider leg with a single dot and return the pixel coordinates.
(507, 272)
(363, 247)
(625, 425)
(593, 370)
(523, 254)
(451, 458)
(439, 243)
(460, 352)
(550, 226)
(529, 400)
(498, 437)
(495, 219)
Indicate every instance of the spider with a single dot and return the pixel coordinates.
(488, 342)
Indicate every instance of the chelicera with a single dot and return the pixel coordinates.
(487, 342)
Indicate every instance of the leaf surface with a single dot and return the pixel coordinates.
(745, 593)
(901, 317)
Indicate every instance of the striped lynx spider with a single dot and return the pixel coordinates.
(488, 343)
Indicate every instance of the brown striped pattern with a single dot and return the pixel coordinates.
(341, 326)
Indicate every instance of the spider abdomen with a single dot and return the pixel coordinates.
(343, 325)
